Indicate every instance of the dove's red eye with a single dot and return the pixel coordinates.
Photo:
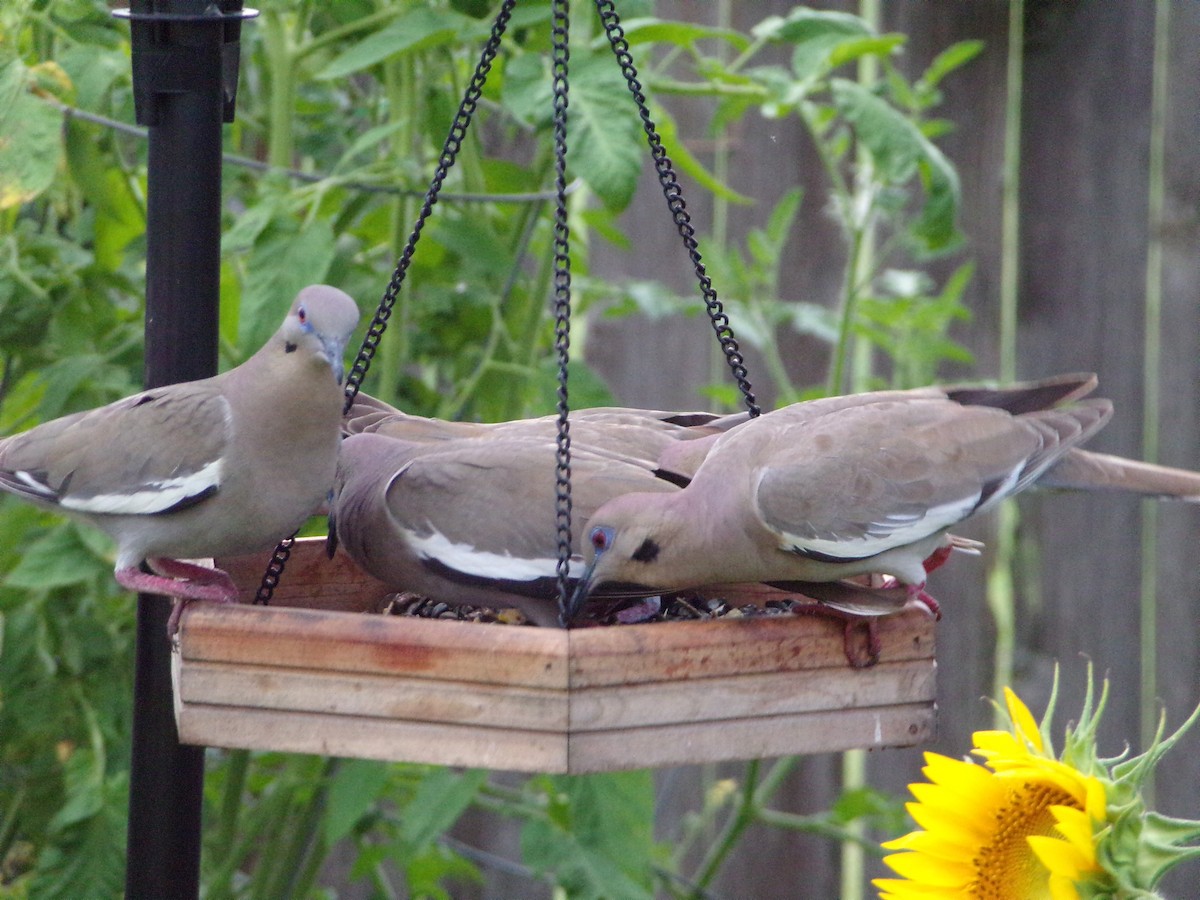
(302, 315)
(600, 538)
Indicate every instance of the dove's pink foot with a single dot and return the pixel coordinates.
(183, 580)
(916, 592)
(872, 645)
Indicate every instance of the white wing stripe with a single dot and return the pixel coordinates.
(883, 536)
(471, 561)
(152, 498)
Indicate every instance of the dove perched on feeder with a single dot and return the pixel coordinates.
(224, 465)
(471, 520)
(867, 484)
(674, 441)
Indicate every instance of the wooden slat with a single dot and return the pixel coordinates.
(530, 751)
(371, 738)
(761, 694)
(350, 642)
(376, 696)
(751, 738)
(682, 650)
(592, 709)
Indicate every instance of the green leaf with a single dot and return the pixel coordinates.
(848, 51)
(803, 25)
(440, 799)
(119, 217)
(889, 136)
(30, 142)
(678, 34)
(604, 136)
(355, 788)
(93, 72)
(605, 143)
(419, 29)
(948, 60)
(899, 150)
(87, 861)
(285, 259)
(936, 228)
(56, 559)
(597, 841)
(815, 35)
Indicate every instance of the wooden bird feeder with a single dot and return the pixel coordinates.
(320, 672)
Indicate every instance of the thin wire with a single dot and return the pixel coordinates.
(366, 187)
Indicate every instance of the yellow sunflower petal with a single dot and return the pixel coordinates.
(998, 743)
(918, 868)
(1096, 803)
(1063, 889)
(944, 845)
(941, 821)
(1023, 720)
(971, 780)
(953, 811)
(895, 889)
(1059, 856)
(1076, 826)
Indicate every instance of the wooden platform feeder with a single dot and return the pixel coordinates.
(320, 672)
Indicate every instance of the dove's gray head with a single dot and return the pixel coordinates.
(320, 322)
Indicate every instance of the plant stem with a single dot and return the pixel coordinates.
(818, 825)
(859, 266)
(282, 103)
(400, 79)
(1000, 579)
(739, 820)
(237, 765)
(1151, 367)
(296, 863)
(720, 211)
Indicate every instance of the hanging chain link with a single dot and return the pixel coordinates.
(562, 300)
(450, 150)
(366, 353)
(674, 196)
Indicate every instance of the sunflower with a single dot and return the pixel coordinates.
(1027, 824)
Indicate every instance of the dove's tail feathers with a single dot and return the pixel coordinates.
(1082, 470)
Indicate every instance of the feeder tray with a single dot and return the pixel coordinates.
(317, 672)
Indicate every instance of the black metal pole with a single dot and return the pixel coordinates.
(184, 77)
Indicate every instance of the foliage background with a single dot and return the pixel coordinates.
(845, 270)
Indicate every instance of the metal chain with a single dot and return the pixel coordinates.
(270, 579)
(450, 150)
(366, 353)
(562, 300)
(674, 195)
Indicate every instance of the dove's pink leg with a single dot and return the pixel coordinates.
(183, 580)
(849, 620)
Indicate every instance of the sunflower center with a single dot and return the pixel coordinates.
(1005, 866)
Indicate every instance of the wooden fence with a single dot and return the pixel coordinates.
(1085, 239)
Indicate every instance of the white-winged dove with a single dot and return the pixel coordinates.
(224, 465)
(471, 520)
(867, 484)
(674, 441)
